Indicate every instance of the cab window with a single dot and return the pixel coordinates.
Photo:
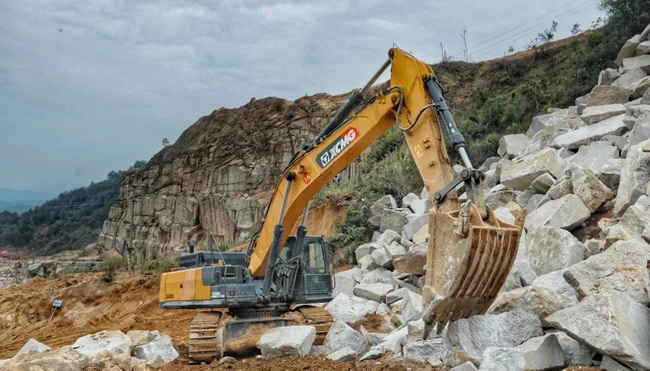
(315, 257)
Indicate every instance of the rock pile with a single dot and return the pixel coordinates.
(578, 291)
(105, 350)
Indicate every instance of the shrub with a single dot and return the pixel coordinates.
(111, 267)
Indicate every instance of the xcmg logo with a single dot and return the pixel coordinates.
(333, 150)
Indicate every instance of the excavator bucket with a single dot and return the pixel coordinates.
(469, 259)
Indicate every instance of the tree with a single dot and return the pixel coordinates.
(544, 37)
(575, 30)
(165, 142)
(140, 163)
(463, 35)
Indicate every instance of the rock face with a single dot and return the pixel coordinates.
(212, 179)
(612, 323)
(287, 341)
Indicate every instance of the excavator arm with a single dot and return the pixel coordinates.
(408, 104)
(470, 251)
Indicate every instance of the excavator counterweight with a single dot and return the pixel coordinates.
(281, 279)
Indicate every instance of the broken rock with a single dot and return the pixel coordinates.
(538, 300)
(575, 353)
(588, 187)
(555, 282)
(350, 308)
(288, 341)
(607, 94)
(421, 351)
(377, 209)
(635, 176)
(413, 261)
(341, 335)
(512, 145)
(567, 213)
(64, 358)
(468, 338)
(373, 291)
(161, 346)
(519, 175)
(591, 133)
(612, 323)
(540, 353)
(622, 267)
(32, 345)
(346, 354)
(115, 342)
(610, 173)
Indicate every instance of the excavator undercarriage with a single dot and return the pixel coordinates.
(214, 334)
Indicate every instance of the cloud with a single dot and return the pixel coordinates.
(92, 86)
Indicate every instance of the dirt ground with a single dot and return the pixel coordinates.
(89, 305)
(131, 302)
(307, 363)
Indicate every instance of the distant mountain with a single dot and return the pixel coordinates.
(21, 200)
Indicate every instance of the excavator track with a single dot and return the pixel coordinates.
(214, 333)
(205, 344)
(319, 318)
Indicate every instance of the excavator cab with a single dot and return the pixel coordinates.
(313, 279)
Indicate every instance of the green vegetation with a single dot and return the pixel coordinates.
(111, 268)
(70, 221)
(513, 92)
(163, 265)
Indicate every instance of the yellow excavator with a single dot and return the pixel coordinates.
(279, 280)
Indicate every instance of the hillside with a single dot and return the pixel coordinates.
(217, 176)
(69, 221)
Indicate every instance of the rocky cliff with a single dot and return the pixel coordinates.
(216, 178)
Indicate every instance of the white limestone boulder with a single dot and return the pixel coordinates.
(512, 145)
(539, 353)
(467, 339)
(287, 341)
(520, 174)
(341, 335)
(350, 309)
(622, 267)
(614, 125)
(635, 176)
(611, 323)
(373, 291)
(567, 212)
(116, 342)
(160, 347)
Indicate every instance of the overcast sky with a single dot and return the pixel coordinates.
(91, 86)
